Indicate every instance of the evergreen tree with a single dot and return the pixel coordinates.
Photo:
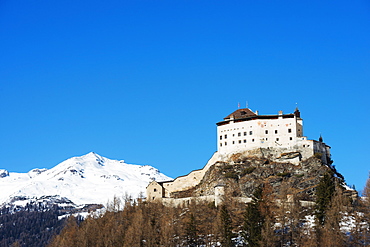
(324, 193)
(253, 220)
(226, 226)
(331, 232)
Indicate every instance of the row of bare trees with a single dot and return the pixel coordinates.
(269, 220)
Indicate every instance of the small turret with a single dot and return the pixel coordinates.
(321, 139)
(297, 113)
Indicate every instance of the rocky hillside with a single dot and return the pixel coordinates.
(241, 174)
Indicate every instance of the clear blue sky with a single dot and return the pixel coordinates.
(146, 81)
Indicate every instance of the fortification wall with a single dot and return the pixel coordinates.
(190, 180)
(174, 202)
(184, 182)
(187, 200)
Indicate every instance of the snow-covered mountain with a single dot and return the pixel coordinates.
(89, 179)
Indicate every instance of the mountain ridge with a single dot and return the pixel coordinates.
(86, 179)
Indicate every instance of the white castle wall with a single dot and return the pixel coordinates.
(212, 198)
(243, 135)
(180, 183)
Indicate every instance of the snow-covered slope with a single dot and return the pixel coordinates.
(89, 179)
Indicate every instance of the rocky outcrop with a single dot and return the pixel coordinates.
(241, 175)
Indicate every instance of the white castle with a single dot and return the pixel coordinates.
(277, 137)
(245, 130)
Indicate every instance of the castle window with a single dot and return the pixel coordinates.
(225, 136)
(225, 143)
(266, 132)
(266, 139)
(252, 140)
(220, 137)
(245, 141)
(245, 133)
(290, 138)
(233, 135)
(155, 190)
(250, 132)
(277, 139)
(239, 134)
(220, 144)
(233, 142)
(276, 131)
(289, 130)
(240, 141)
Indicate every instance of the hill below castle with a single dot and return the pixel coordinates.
(241, 174)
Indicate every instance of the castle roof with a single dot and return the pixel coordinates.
(246, 114)
(241, 113)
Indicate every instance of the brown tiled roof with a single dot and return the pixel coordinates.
(241, 113)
